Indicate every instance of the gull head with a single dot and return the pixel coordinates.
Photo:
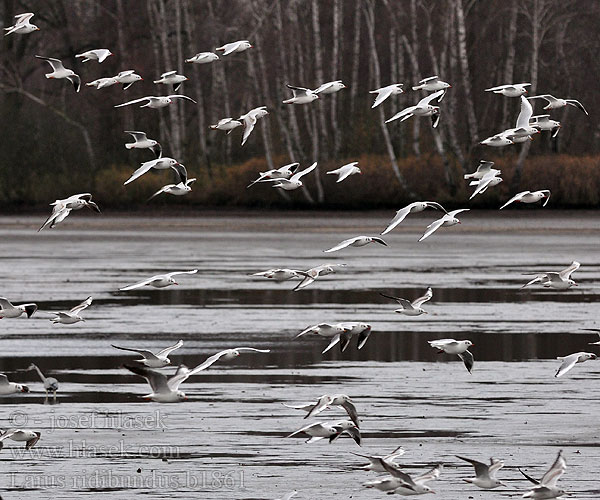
(22, 388)
(171, 281)
(181, 396)
(468, 343)
(572, 282)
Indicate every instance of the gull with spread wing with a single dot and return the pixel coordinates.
(571, 360)
(294, 181)
(156, 102)
(203, 58)
(332, 430)
(22, 26)
(375, 460)
(20, 435)
(278, 275)
(227, 124)
(301, 95)
(7, 387)
(128, 78)
(171, 78)
(384, 92)
(249, 120)
(449, 219)
(101, 83)
(330, 87)
(411, 308)
(166, 389)
(315, 272)
(357, 241)
(72, 316)
(403, 484)
(485, 475)
(512, 90)
(432, 84)
(326, 401)
(529, 197)
(490, 179)
(151, 360)
(422, 108)
(284, 172)
(99, 55)
(458, 347)
(59, 72)
(142, 142)
(546, 487)
(558, 280)
(62, 208)
(556, 103)
(543, 122)
(483, 168)
(7, 310)
(417, 206)
(162, 163)
(158, 281)
(239, 46)
(345, 171)
(181, 186)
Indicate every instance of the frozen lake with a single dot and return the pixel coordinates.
(227, 440)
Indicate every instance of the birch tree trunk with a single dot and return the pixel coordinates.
(509, 66)
(355, 57)
(337, 63)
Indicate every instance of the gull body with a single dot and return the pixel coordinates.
(316, 272)
(411, 308)
(512, 90)
(330, 87)
(239, 46)
(7, 310)
(497, 141)
(485, 475)
(22, 26)
(59, 72)
(543, 122)
(162, 163)
(294, 181)
(99, 55)
(571, 360)
(529, 197)
(156, 102)
(415, 207)
(171, 78)
(180, 188)
(128, 78)
(280, 275)
(249, 120)
(384, 92)
(20, 435)
(331, 430)
(301, 95)
(345, 171)
(151, 360)
(558, 280)
(458, 347)
(489, 180)
(449, 219)
(158, 281)
(101, 83)
(203, 58)
(166, 389)
(7, 387)
(422, 108)
(142, 142)
(72, 316)
(556, 103)
(50, 383)
(227, 124)
(284, 172)
(432, 84)
(357, 241)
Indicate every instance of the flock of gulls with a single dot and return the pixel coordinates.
(165, 388)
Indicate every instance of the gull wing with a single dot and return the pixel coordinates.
(483, 184)
(430, 475)
(23, 18)
(137, 136)
(538, 279)
(481, 470)
(179, 96)
(353, 432)
(468, 360)
(548, 97)
(334, 341)
(382, 95)
(142, 283)
(529, 478)
(76, 81)
(398, 218)
(56, 211)
(161, 190)
(157, 380)
(343, 244)
(298, 175)
(516, 197)
(454, 213)
(436, 205)
(304, 283)
(397, 473)
(168, 73)
(404, 114)
(298, 91)
(127, 72)
(80, 307)
(249, 123)
(304, 429)
(568, 362)
(322, 404)
(555, 472)
(141, 99)
(547, 197)
(325, 86)
(142, 352)
(346, 172)
(168, 350)
(3, 380)
(403, 302)
(427, 99)
(351, 411)
(262, 176)
(566, 273)
(429, 79)
(433, 227)
(577, 104)
(495, 466)
(55, 63)
(421, 300)
(175, 273)
(180, 172)
(145, 167)
(525, 114)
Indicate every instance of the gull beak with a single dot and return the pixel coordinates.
(25, 389)
(186, 79)
(575, 284)
(459, 222)
(176, 283)
(251, 46)
(141, 78)
(37, 29)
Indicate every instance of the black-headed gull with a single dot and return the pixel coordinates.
(50, 383)
(327, 330)
(330, 87)
(342, 401)
(142, 142)
(162, 163)
(62, 208)
(101, 83)
(294, 181)
(485, 475)
(227, 124)
(151, 360)
(331, 430)
(180, 188)
(279, 275)
(59, 72)
(301, 95)
(458, 347)
(171, 78)
(571, 360)
(156, 102)
(7, 387)
(22, 26)
(374, 460)
(497, 141)
(447, 220)
(284, 172)
(239, 46)
(401, 483)
(345, 171)
(556, 103)
(422, 108)
(546, 487)
(357, 241)
(558, 280)
(411, 308)
(529, 197)
(417, 206)
(543, 122)
(432, 84)
(7, 310)
(363, 330)
(384, 92)
(249, 120)
(512, 90)
(203, 58)
(21, 435)
(72, 316)
(488, 180)
(166, 389)
(158, 281)
(483, 168)
(99, 55)
(315, 272)
(128, 77)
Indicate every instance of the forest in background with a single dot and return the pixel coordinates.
(57, 142)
